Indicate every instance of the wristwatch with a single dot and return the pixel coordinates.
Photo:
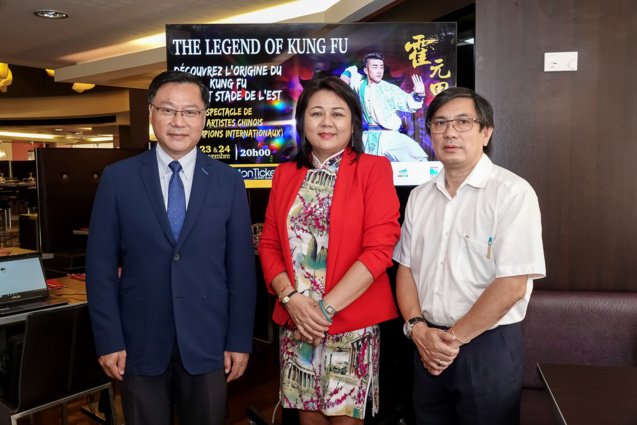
(329, 309)
(286, 299)
(409, 325)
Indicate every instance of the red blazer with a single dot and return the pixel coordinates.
(363, 226)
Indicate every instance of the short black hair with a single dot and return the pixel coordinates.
(179, 77)
(372, 55)
(482, 106)
(342, 90)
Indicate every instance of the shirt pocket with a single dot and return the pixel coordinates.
(472, 264)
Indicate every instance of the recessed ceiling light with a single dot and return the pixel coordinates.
(25, 135)
(50, 14)
(100, 139)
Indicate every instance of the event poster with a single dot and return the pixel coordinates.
(257, 72)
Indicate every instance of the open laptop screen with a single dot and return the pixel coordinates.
(21, 277)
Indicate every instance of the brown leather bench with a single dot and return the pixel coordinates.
(586, 328)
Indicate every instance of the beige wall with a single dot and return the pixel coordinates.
(8, 150)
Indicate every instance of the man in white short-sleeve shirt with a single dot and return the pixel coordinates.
(470, 247)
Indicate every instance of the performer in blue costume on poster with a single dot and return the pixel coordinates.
(381, 103)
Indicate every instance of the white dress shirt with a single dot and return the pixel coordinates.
(165, 173)
(445, 241)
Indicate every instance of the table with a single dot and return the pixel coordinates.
(28, 185)
(592, 395)
(74, 290)
(14, 250)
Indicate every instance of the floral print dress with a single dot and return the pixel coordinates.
(339, 375)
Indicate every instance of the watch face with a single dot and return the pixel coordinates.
(285, 299)
(409, 325)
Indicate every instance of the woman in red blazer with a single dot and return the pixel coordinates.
(330, 228)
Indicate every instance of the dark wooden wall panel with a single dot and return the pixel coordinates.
(139, 121)
(572, 135)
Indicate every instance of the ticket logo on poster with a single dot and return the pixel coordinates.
(257, 173)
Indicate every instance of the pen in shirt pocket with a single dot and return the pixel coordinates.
(489, 248)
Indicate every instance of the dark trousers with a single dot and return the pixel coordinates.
(481, 387)
(200, 399)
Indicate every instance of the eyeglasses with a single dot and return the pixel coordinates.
(169, 112)
(459, 124)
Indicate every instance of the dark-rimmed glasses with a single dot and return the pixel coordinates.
(459, 124)
(169, 112)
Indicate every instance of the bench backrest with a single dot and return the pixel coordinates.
(597, 328)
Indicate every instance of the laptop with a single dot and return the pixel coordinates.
(23, 285)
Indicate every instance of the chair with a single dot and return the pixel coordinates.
(58, 364)
(256, 418)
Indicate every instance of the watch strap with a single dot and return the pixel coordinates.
(286, 299)
(415, 320)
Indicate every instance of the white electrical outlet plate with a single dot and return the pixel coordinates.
(560, 61)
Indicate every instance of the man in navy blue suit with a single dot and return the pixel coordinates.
(176, 324)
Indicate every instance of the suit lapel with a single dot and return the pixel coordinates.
(202, 177)
(150, 176)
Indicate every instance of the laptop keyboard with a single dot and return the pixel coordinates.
(17, 303)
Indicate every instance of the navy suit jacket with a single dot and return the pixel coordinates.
(200, 288)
